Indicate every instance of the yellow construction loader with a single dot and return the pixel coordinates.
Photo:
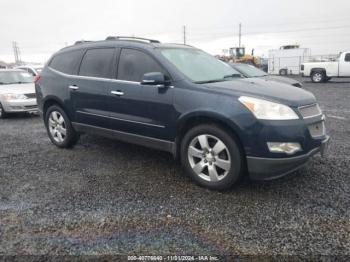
(238, 55)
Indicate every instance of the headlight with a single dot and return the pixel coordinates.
(263, 109)
(9, 97)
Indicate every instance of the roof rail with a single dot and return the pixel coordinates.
(132, 38)
(81, 42)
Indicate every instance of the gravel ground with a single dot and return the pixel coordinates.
(108, 197)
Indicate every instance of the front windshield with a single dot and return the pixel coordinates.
(199, 66)
(249, 70)
(15, 77)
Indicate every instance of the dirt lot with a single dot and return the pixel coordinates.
(107, 197)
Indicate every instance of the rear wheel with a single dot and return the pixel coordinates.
(3, 114)
(283, 72)
(59, 127)
(211, 157)
(318, 77)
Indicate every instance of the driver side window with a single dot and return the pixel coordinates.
(133, 64)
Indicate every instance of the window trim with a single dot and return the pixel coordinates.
(93, 77)
(142, 51)
(112, 70)
(118, 50)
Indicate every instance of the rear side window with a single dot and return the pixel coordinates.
(347, 57)
(68, 62)
(133, 64)
(98, 63)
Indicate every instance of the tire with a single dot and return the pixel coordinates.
(59, 127)
(283, 72)
(318, 76)
(217, 163)
(3, 114)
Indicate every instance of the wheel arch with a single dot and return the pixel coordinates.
(52, 100)
(193, 119)
(318, 69)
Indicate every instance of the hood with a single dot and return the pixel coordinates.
(270, 90)
(281, 79)
(17, 89)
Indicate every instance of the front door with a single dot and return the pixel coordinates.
(138, 109)
(344, 66)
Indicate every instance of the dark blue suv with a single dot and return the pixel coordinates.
(182, 100)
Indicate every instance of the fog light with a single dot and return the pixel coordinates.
(288, 148)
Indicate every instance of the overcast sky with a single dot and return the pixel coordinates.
(41, 27)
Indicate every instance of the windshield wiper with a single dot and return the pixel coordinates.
(19, 82)
(219, 80)
(209, 81)
(232, 75)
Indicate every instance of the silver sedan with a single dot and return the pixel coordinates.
(17, 92)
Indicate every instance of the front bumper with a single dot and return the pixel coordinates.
(17, 106)
(272, 168)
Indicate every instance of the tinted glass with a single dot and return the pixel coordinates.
(134, 64)
(199, 66)
(98, 63)
(68, 62)
(347, 57)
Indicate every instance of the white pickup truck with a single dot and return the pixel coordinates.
(324, 71)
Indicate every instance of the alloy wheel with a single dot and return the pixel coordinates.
(57, 126)
(209, 157)
(317, 77)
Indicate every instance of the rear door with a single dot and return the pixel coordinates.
(91, 88)
(344, 65)
(140, 109)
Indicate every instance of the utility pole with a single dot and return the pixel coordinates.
(240, 35)
(184, 32)
(17, 53)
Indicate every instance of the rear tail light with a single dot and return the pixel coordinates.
(36, 78)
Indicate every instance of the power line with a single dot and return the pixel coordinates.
(229, 34)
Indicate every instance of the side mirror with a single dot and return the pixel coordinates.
(155, 79)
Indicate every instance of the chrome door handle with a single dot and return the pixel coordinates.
(117, 93)
(73, 87)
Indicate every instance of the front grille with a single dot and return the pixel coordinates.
(317, 130)
(310, 111)
(30, 95)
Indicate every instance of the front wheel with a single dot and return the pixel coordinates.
(59, 127)
(211, 157)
